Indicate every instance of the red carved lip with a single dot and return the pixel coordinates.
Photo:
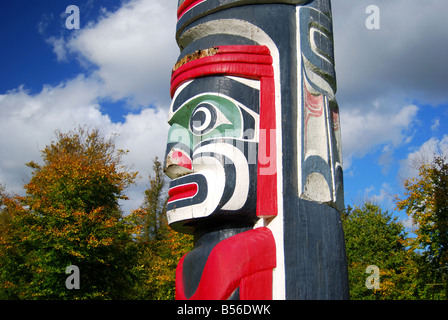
(182, 192)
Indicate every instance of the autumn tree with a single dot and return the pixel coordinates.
(425, 200)
(12, 271)
(160, 247)
(70, 215)
(374, 237)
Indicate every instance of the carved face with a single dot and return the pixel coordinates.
(212, 151)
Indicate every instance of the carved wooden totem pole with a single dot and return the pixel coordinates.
(254, 151)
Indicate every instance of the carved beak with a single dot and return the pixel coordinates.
(178, 163)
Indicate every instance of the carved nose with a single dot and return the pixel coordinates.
(178, 163)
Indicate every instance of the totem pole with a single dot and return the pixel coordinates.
(254, 151)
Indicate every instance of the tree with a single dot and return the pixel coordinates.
(70, 216)
(154, 220)
(374, 237)
(426, 201)
(160, 247)
(12, 270)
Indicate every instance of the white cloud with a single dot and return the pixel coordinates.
(405, 57)
(365, 129)
(28, 122)
(423, 154)
(132, 50)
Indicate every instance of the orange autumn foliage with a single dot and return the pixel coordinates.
(69, 216)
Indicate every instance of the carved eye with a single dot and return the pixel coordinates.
(205, 118)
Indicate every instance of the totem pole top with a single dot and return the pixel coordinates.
(190, 10)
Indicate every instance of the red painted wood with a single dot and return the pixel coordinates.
(245, 70)
(245, 260)
(267, 168)
(182, 192)
(241, 58)
(187, 5)
(245, 48)
(257, 286)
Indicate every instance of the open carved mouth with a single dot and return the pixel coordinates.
(182, 192)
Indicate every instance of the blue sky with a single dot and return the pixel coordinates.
(27, 58)
(114, 73)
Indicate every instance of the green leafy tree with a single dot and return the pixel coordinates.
(426, 202)
(374, 237)
(70, 216)
(154, 222)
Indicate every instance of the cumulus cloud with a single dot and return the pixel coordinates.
(404, 58)
(364, 129)
(423, 154)
(28, 121)
(132, 50)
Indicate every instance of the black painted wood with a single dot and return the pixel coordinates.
(315, 261)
